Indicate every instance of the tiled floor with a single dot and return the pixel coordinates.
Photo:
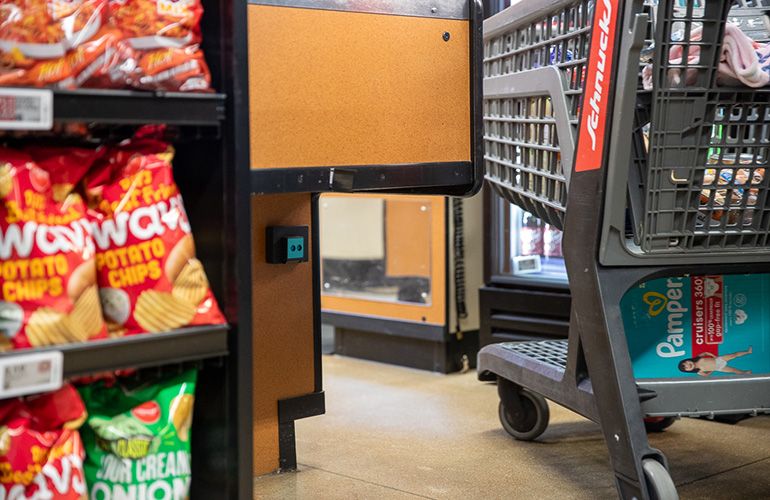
(392, 433)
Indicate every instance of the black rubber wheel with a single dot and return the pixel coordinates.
(534, 421)
(658, 424)
(659, 482)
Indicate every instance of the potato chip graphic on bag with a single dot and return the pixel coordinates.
(149, 277)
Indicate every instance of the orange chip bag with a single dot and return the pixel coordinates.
(149, 277)
(149, 24)
(165, 35)
(36, 35)
(173, 70)
(97, 62)
(47, 271)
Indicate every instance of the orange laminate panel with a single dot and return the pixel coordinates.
(408, 246)
(435, 312)
(333, 88)
(283, 324)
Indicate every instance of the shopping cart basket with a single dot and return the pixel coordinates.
(566, 116)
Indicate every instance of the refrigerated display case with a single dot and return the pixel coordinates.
(399, 275)
(525, 294)
(534, 251)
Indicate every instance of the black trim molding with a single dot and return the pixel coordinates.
(307, 405)
(392, 178)
(130, 107)
(387, 326)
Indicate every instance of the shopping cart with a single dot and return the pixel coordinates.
(565, 120)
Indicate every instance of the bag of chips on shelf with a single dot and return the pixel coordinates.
(36, 37)
(137, 439)
(98, 62)
(166, 37)
(66, 166)
(149, 277)
(41, 454)
(47, 267)
(172, 69)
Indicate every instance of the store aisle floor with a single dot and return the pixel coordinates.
(393, 433)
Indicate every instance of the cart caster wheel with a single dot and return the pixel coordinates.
(658, 424)
(534, 421)
(659, 482)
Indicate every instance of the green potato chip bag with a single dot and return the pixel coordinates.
(137, 439)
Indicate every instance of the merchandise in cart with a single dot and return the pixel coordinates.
(647, 184)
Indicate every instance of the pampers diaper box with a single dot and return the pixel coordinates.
(699, 326)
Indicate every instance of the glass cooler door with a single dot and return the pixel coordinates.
(523, 246)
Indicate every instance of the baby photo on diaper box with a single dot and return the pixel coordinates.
(699, 326)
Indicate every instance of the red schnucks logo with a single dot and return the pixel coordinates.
(591, 146)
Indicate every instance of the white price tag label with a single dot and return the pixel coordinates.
(26, 109)
(22, 374)
(529, 264)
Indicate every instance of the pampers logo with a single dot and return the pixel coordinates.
(672, 305)
(656, 301)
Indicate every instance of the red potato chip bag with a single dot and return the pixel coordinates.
(41, 454)
(47, 274)
(149, 277)
(66, 166)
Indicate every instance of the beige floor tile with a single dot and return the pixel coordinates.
(438, 436)
(308, 483)
(751, 482)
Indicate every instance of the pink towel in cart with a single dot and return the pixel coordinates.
(742, 61)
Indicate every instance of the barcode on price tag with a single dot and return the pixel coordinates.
(22, 374)
(26, 109)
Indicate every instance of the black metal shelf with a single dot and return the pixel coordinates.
(139, 351)
(414, 178)
(138, 108)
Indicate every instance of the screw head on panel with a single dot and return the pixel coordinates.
(446, 36)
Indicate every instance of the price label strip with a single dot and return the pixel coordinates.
(26, 109)
(22, 374)
(529, 264)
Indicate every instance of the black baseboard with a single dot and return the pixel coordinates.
(519, 313)
(289, 410)
(438, 356)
